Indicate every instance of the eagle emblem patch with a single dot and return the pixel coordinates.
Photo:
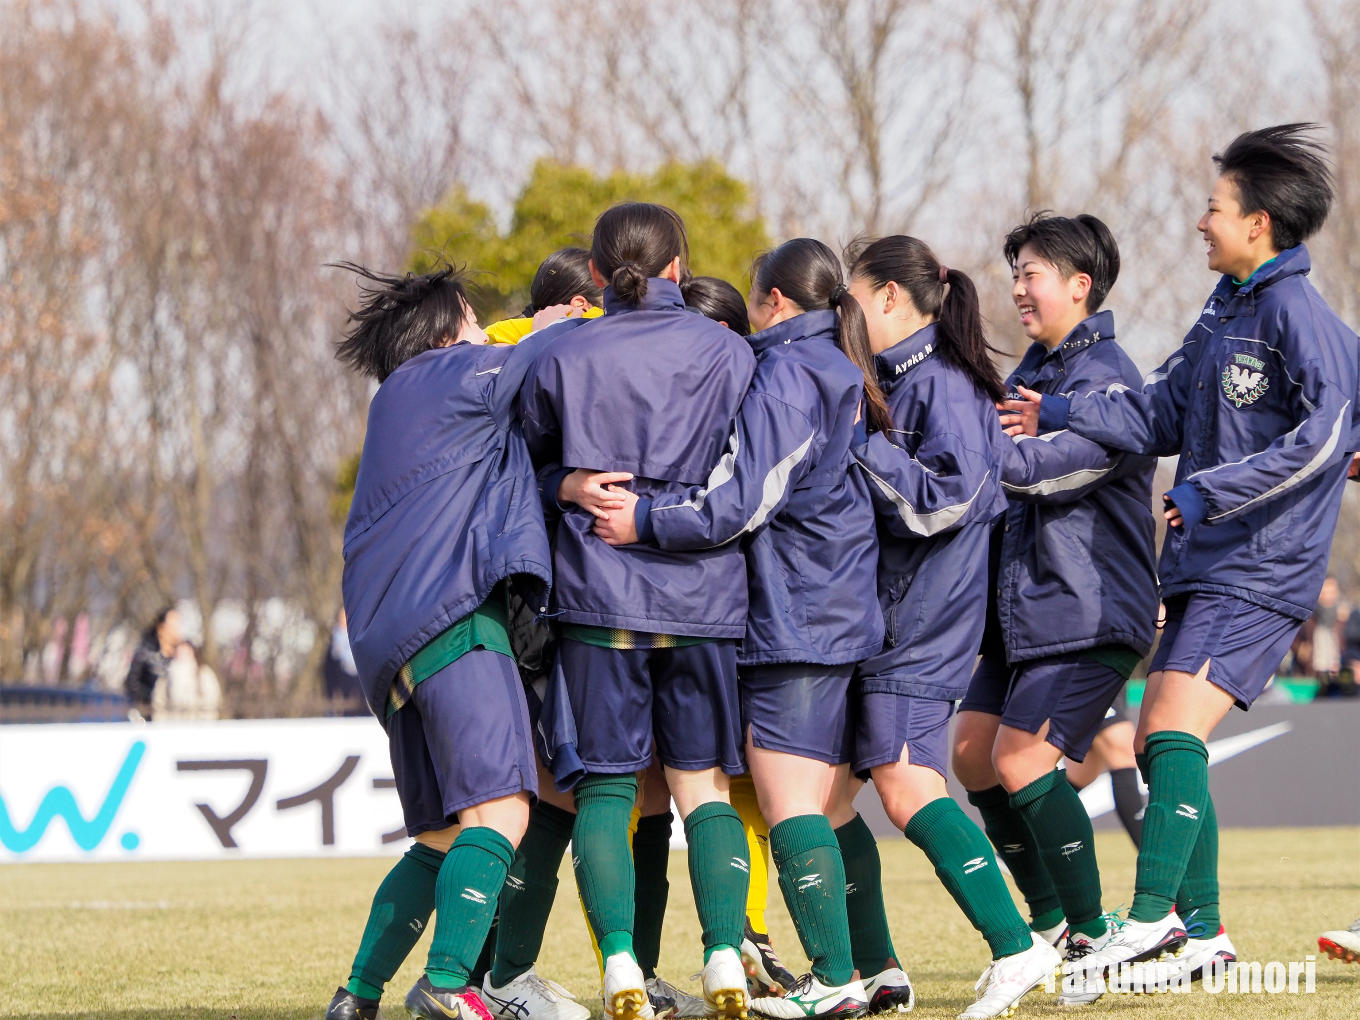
(1244, 379)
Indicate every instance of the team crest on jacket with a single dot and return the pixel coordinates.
(1245, 380)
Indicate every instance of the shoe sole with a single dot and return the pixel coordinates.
(1338, 952)
(628, 1004)
(729, 1004)
(896, 1000)
(1014, 1007)
(1198, 973)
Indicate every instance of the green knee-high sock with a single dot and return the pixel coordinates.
(1014, 843)
(530, 888)
(1178, 790)
(401, 909)
(466, 894)
(870, 940)
(1197, 898)
(1061, 829)
(651, 854)
(603, 860)
(964, 863)
(812, 878)
(720, 872)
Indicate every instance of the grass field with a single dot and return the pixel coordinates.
(268, 940)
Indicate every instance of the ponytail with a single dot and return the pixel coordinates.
(808, 273)
(944, 294)
(635, 241)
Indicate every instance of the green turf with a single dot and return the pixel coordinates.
(268, 940)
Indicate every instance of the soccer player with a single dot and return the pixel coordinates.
(561, 283)
(1112, 751)
(935, 477)
(1258, 404)
(425, 586)
(1075, 595)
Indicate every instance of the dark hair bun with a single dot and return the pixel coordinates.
(629, 282)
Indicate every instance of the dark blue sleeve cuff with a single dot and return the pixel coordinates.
(1190, 503)
(551, 483)
(642, 520)
(1053, 412)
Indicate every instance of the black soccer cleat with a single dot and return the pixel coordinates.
(764, 971)
(430, 1003)
(348, 1006)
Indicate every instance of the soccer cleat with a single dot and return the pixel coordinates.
(1199, 953)
(430, 1003)
(765, 973)
(1007, 980)
(625, 990)
(810, 998)
(890, 991)
(1342, 945)
(530, 997)
(348, 1006)
(669, 1001)
(1080, 986)
(1056, 936)
(725, 991)
(1138, 941)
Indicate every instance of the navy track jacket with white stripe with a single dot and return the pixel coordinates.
(936, 485)
(786, 492)
(1258, 403)
(443, 508)
(651, 389)
(1078, 548)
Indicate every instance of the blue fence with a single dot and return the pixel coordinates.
(61, 704)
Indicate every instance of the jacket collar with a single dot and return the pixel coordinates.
(661, 295)
(1289, 262)
(1087, 333)
(800, 327)
(906, 354)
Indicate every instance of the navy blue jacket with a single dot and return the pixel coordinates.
(1078, 560)
(651, 390)
(786, 485)
(445, 505)
(1258, 404)
(936, 483)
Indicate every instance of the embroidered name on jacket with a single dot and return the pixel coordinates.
(915, 359)
(1244, 379)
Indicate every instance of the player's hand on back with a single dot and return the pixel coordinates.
(619, 527)
(594, 490)
(1021, 417)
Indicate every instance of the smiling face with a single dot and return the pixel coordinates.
(1236, 243)
(1050, 305)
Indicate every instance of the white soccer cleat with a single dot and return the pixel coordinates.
(1007, 980)
(1137, 942)
(890, 991)
(1342, 945)
(625, 990)
(669, 1001)
(1056, 936)
(810, 998)
(725, 993)
(1081, 986)
(1199, 953)
(530, 997)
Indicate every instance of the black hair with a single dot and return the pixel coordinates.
(1280, 171)
(948, 297)
(562, 276)
(635, 241)
(718, 300)
(402, 316)
(151, 636)
(1071, 244)
(808, 273)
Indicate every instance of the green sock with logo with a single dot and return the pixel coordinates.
(530, 888)
(1061, 829)
(964, 862)
(1197, 898)
(401, 909)
(719, 872)
(466, 893)
(870, 940)
(1014, 843)
(812, 879)
(651, 855)
(603, 859)
(1178, 792)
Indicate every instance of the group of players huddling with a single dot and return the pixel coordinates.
(619, 553)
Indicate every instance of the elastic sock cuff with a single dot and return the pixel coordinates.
(427, 857)
(601, 784)
(558, 821)
(855, 838)
(660, 823)
(705, 812)
(364, 989)
(798, 835)
(1141, 759)
(489, 840)
(994, 796)
(1027, 795)
(928, 816)
(1173, 740)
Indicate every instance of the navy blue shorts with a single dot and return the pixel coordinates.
(462, 740)
(1072, 692)
(1243, 643)
(1114, 715)
(681, 701)
(888, 722)
(799, 708)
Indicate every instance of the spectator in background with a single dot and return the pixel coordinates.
(151, 660)
(189, 690)
(1350, 653)
(1326, 640)
(339, 674)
